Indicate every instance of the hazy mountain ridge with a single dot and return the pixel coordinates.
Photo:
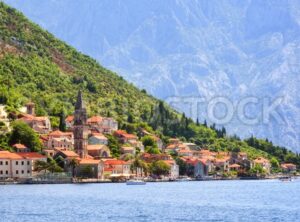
(191, 48)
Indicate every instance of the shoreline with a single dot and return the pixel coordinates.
(150, 181)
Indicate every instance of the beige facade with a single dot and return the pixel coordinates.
(13, 165)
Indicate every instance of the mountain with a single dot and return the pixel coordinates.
(189, 49)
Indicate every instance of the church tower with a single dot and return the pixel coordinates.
(80, 128)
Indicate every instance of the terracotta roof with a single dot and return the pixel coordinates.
(60, 133)
(261, 160)
(32, 155)
(19, 146)
(94, 119)
(89, 161)
(185, 151)
(114, 162)
(169, 162)
(122, 133)
(288, 165)
(9, 155)
(234, 166)
(70, 118)
(95, 147)
(69, 153)
(127, 148)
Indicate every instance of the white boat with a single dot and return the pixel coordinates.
(135, 182)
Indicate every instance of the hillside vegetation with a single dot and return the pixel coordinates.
(36, 66)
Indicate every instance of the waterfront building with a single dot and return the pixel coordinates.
(13, 165)
(116, 168)
(288, 167)
(264, 163)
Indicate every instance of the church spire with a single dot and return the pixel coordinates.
(79, 103)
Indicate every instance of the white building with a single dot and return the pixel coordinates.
(13, 165)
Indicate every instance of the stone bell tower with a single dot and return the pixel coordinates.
(80, 129)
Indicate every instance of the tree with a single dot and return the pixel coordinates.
(22, 133)
(159, 168)
(114, 146)
(138, 163)
(149, 141)
(274, 162)
(62, 121)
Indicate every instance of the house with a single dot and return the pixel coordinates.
(58, 138)
(90, 168)
(195, 167)
(128, 150)
(97, 138)
(12, 165)
(20, 148)
(116, 168)
(185, 152)
(222, 164)
(234, 167)
(288, 167)
(102, 124)
(33, 157)
(208, 165)
(191, 146)
(125, 137)
(40, 124)
(174, 169)
(98, 151)
(264, 163)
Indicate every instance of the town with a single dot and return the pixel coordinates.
(83, 152)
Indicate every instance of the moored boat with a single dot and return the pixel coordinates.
(135, 182)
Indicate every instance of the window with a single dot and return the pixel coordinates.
(28, 171)
(22, 162)
(1, 172)
(17, 162)
(17, 171)
(28, 162)
(6, 172)
(1, 163)
(6, 163)
(22, 171)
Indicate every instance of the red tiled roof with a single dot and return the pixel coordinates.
(95, 147)
(89, 161)
(19, 146)
(234, 166)
(32, 155)
(94, 119)
(9, 155)
(114, 162)
(60, 133)
(122, 133)
(69, 153)
(261, 160)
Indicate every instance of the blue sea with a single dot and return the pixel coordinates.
(265, 200)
